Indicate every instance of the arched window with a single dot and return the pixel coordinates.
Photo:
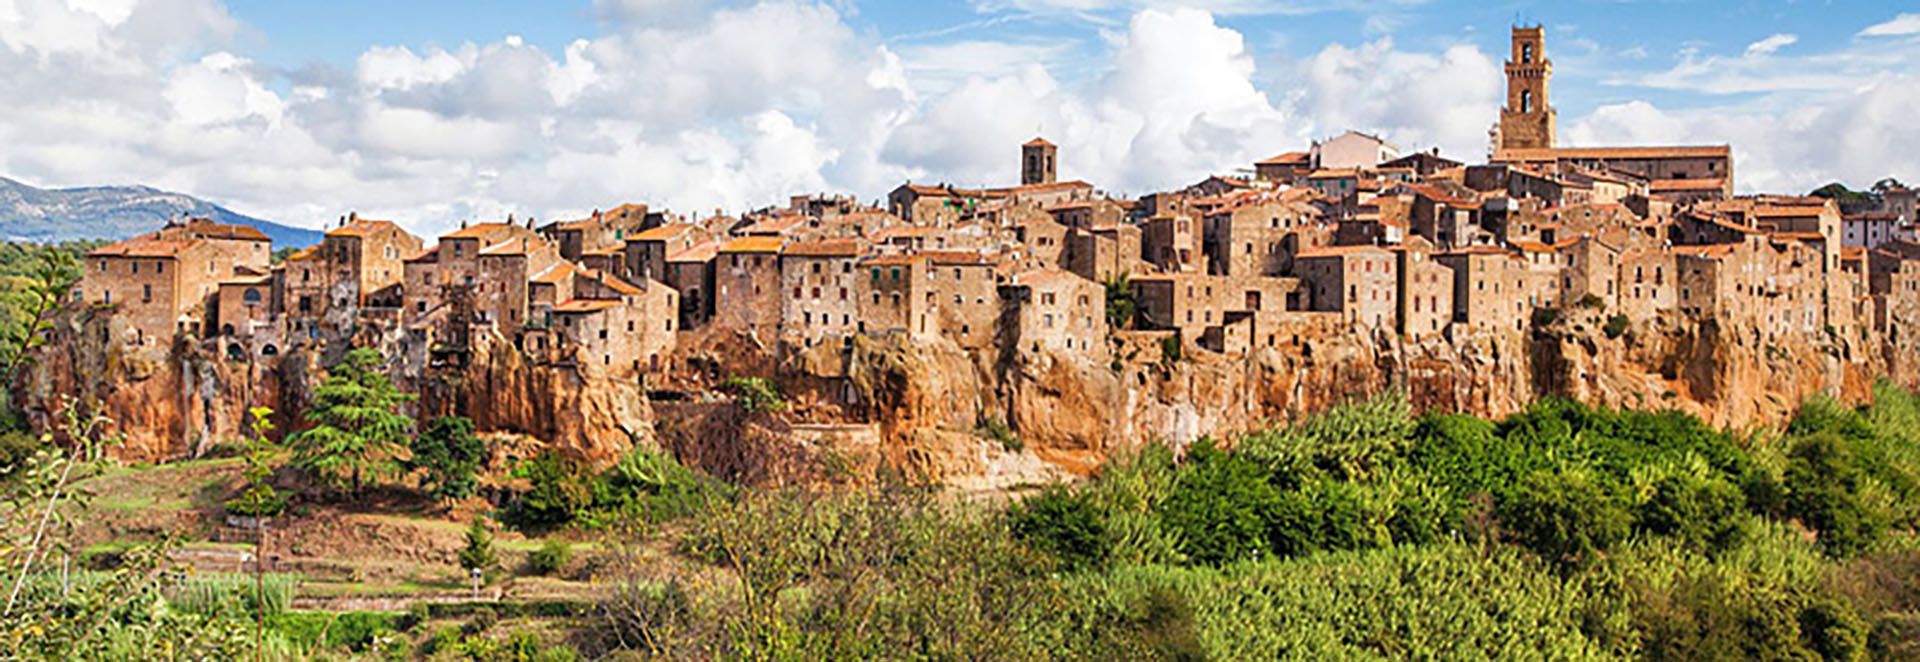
(251, 297)
(1526, 54)
(1526, 101)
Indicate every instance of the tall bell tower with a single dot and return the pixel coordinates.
(1527, 122)
(1036, 162)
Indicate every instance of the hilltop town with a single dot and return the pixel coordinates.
(1078, 319)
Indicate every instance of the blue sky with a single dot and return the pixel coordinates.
(1599, 43)
(436, 111)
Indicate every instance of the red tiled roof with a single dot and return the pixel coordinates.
(703, 252)
(476, 231)
(661, 233)
(142, 247)
(207, 229)
(1288, 158)
(753, 245)
(1338, 251)
(584, 306)
(825, 248)
(611, 281)
(361, 227)
(1668, 185)
(1614, 153)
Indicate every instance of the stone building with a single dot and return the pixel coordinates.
(966, 296)
(817, 279)
(1173, 243)
(244, 306)
(646, 251)
(1589, 271)
(747, 286)
(1037, 162)
(598, 232)
(1287, 168)
(365, 257)
(1058, 312)
(1868, 230)
(1359, 282)
(1424, 290)
(615, 328)
(501, 294)
(1489, 287)
(1256, 237)
(1528, 120)
(1104, 252)
(164, 282)
(1351, 150)
(895, 295)
(691, 272)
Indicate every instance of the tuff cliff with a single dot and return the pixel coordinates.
(979, 421)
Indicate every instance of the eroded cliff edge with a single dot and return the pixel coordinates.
(931, 410)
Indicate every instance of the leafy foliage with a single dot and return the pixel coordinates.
(450, 454)
(645, 485)
(552, 557)
(358, 434)
(1121, 304)
(755, 394)
(478, 554)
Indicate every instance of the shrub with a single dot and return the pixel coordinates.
(450, 454)
(755, 394)
(1545, 316)
(1564, 516)
(996, 428)
(1704, 514)
(1616, 326)
(354, 630)
(1221, 506)
(559, 492)
(552, 557)
(1592, 301)
(1120, 302)
(16, 446)
(1063, 523)
(478, 554)
(1169, 350)
(1823, 491)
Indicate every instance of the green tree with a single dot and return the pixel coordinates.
(450, 454)
(478, 554)
(358, 433)
(1565, 516)
(1823, 491)
(31, 296)
(1062, 522)
(1121, 304)
(1221, 506)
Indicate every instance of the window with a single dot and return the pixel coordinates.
(136, 267)
(251, 296)
(160, 267)
(1526, 101)
(1526, 54)
(146, 294)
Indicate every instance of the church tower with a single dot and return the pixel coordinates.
(1036, 162)
(1527, 122)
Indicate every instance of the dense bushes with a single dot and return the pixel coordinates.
(1563, 531)
(645, 485)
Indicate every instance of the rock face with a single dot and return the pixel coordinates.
(986, 421)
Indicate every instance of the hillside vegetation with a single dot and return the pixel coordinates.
(1561, 532)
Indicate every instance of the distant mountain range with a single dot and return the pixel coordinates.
(29, 213)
